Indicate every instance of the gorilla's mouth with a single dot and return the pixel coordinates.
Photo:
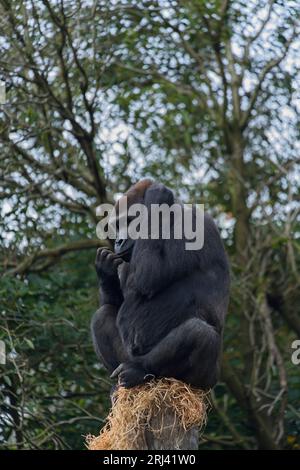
(125, 255)
(121, 254)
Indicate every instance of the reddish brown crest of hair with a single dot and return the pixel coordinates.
(136, 193)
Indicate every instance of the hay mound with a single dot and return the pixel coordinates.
(148, 407)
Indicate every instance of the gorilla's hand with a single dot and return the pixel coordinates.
(106, 264)
(131, 374)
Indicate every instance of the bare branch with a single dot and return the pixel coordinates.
(271, 65)
(54, 254)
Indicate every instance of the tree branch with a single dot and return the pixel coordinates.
(54, 254)
(267, 68)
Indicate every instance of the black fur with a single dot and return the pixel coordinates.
(164, 315)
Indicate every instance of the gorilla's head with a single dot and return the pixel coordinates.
(146, 192)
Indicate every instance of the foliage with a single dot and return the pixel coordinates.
(201, 95)
(52, 390)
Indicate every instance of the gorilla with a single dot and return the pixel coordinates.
(162, 307)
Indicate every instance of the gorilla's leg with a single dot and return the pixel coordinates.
(106, 338)
(189, 353)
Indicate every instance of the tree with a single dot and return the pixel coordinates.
(202, 95)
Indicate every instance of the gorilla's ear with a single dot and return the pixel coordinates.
(158, 193)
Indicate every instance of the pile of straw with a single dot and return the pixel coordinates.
(144, 407)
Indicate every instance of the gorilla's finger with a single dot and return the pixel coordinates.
(149, 377)
(117, 262)
(99, 250)
(105, 252)
(117, 371)
(110, 256)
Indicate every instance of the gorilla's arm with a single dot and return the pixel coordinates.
(105, 335)
(107, 271)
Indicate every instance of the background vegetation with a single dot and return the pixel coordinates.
(202, 95)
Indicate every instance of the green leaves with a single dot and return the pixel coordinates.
(29, 342)
(114, 93)
(50, 358)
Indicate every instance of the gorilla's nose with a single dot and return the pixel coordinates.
(119, 243)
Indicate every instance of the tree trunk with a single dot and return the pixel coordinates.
(170, 436)
(165, 414)
(239, 196)
(239, 193)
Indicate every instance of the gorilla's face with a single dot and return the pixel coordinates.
(135, 195)
(124, 248)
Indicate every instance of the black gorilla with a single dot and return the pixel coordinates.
(162, 312)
